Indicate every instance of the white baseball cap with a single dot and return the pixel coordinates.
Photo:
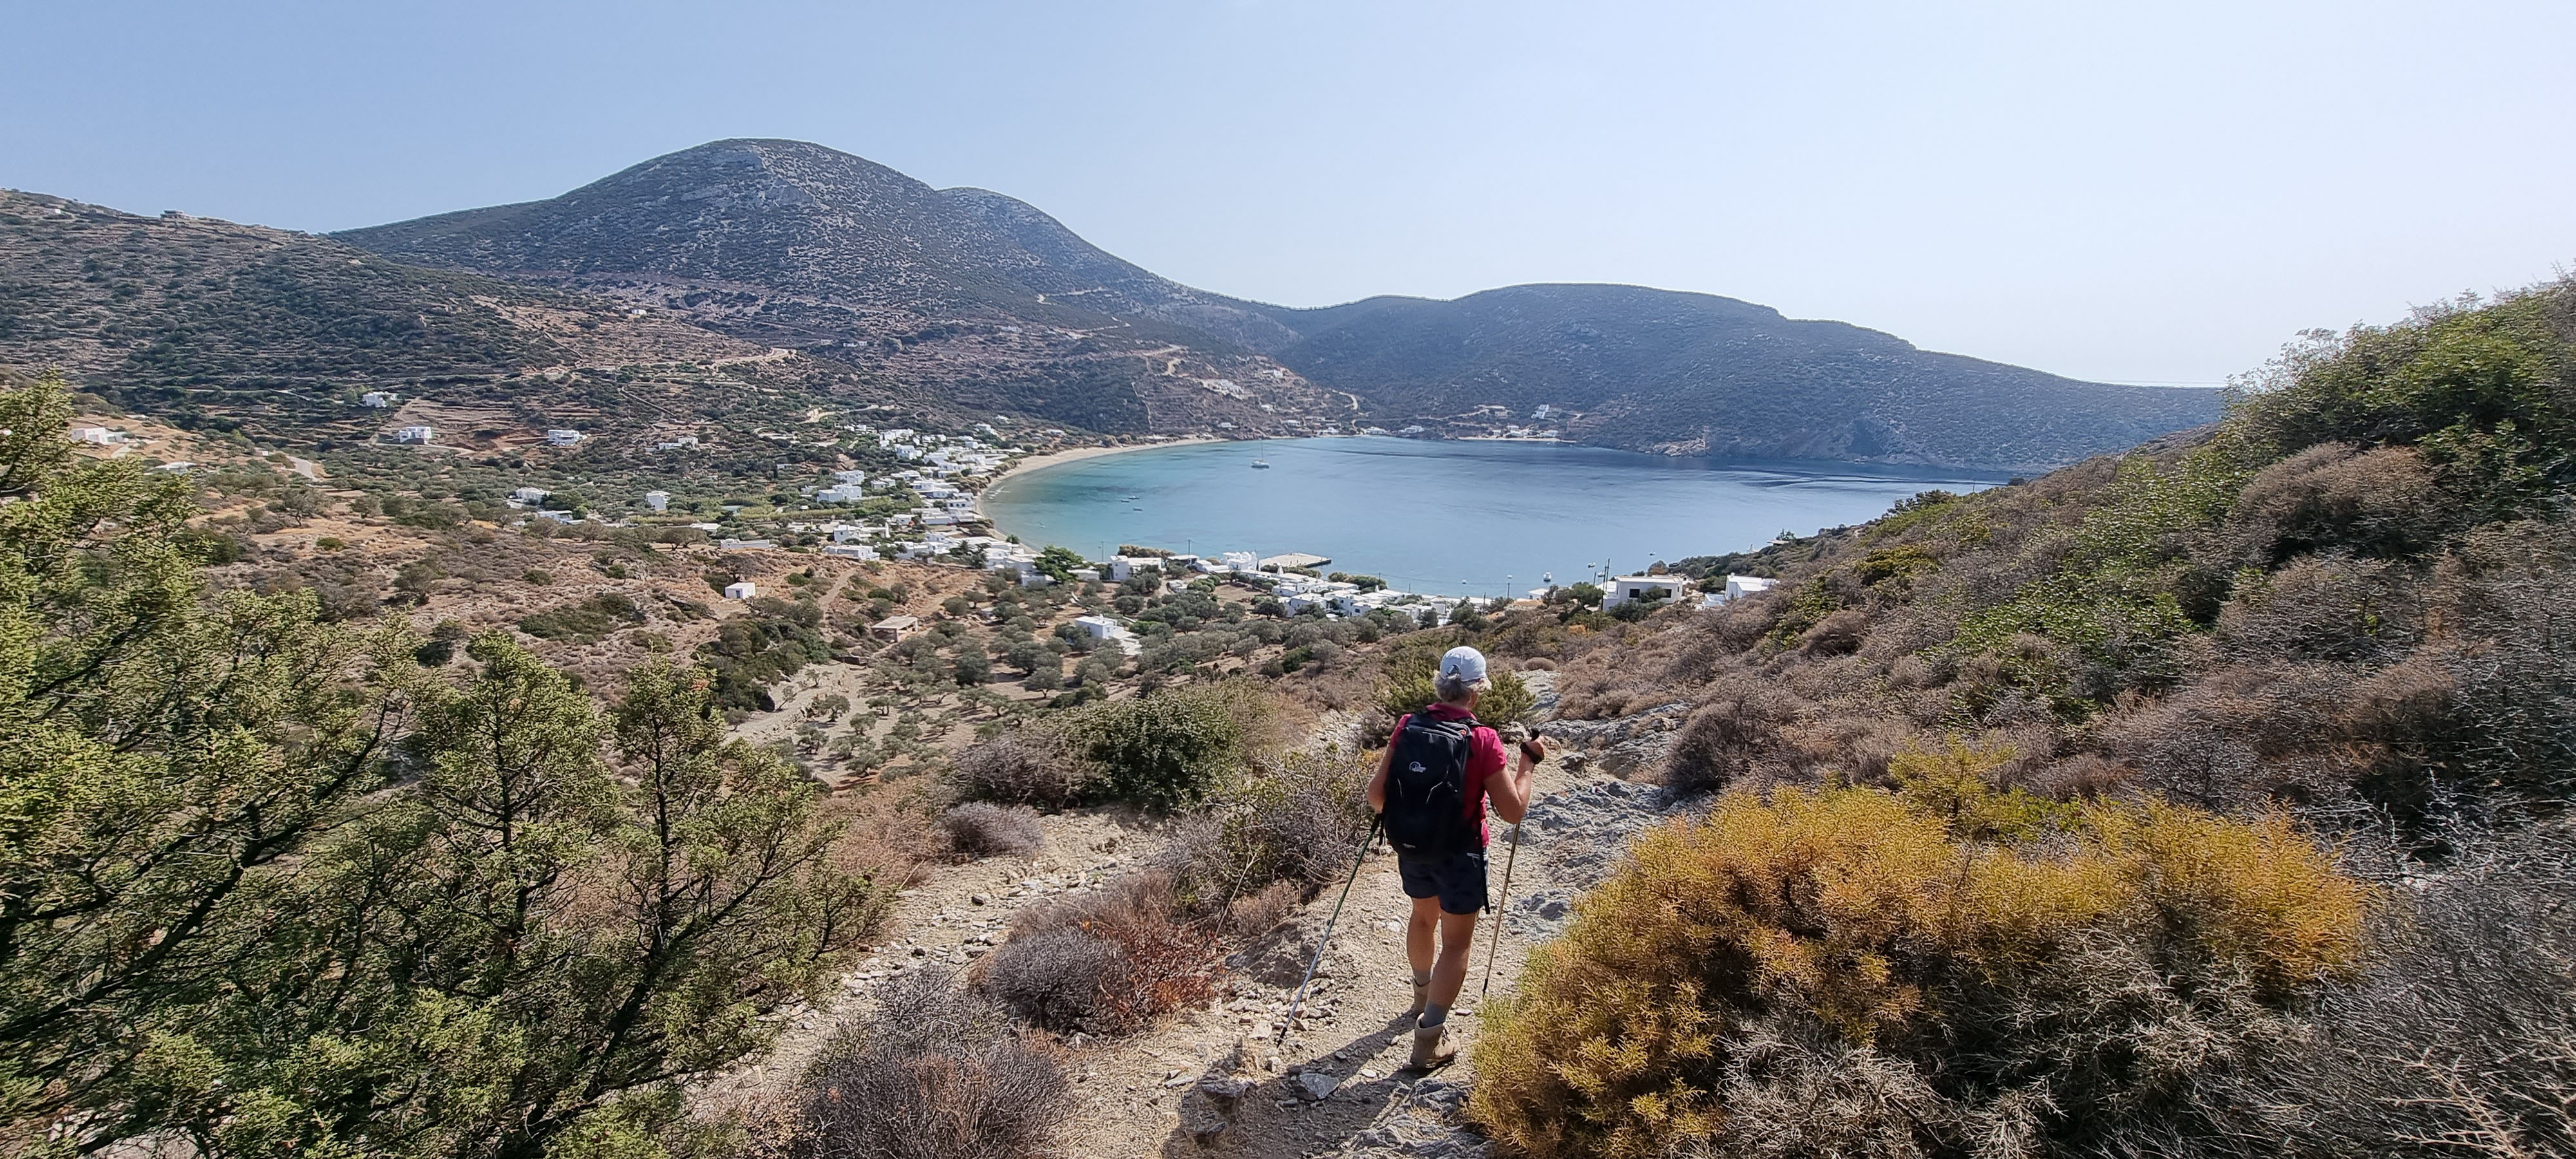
(1463, 663)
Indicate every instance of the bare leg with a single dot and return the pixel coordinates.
(1449, 974)
(1431, 1047)
(1418, 933)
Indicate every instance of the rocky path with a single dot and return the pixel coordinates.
(1222, 1081)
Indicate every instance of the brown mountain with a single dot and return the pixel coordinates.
(990, 303)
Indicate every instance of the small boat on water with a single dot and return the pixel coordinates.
(1261, 464)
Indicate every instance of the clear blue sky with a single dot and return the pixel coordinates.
(2138, 192)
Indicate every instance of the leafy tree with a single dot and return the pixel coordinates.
(273, 888)
(1057, 563)
(162, 756)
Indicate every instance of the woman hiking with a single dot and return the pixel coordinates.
(1440, 769)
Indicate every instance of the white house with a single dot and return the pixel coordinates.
(850, 550)
(742, 544)
(530, 494)
(658, 500)
(414, 434)
(853, 478)
(841, 493)
(98, 436)
(1110, 631)
(684, 442)
(1241, 560)
(741, 590)
(562, 438)
(1740, 586)
(378, 399)
(1644, 587)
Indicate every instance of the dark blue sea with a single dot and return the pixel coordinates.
(1473, 518)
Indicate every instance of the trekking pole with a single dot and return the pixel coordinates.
(1325, 942)
(1502, 916)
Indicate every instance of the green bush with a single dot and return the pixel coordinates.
(585, 622)
(1414, 661)
(1162, 750)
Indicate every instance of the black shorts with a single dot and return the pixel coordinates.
(1458, 880)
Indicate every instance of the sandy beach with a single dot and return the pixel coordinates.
(1077, 454)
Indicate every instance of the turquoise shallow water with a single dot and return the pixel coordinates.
(1453, 517)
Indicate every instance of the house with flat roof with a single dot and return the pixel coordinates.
(741, 590)
(1644, 587)
(415, 434)
(893, 629)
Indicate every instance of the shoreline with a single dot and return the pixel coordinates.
(1078, 454)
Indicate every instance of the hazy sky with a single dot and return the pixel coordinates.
(2137, 192)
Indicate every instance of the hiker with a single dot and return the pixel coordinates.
(1441, 766)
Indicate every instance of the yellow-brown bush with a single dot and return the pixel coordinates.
(1994, 997)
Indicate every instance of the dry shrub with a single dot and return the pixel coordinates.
(931, 1073)
(1298, 822)
(2320, 609)
(1838, 634)
(1053, 972)
(1256, 914)
(1538, 664)
(1031, 767)
(1738, 732)
(983, 829)
(2240, 736)
(2461, 1037)
(1374, 728)
(1061, 978)
(2379, 503)
(892, 837)
(1937, 994)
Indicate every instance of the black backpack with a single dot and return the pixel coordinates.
(1426, 788)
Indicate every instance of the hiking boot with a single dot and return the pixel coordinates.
(1431, 1048)
(1421, 998)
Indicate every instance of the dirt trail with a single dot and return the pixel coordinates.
(1218, 1081)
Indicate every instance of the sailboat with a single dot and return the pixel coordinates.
(1261, 464)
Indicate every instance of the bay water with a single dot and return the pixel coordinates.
(1452, 517)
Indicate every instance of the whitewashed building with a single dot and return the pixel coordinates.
(1740, 586)
(415, 434)
(741, 590)
(1109, 631)
(98, 436)
(560, 437)
(379, 399)
(1644, 587)
(657, 500)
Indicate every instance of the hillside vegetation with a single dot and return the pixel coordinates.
(1972, 887)
(272, 885)
(204, 322)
